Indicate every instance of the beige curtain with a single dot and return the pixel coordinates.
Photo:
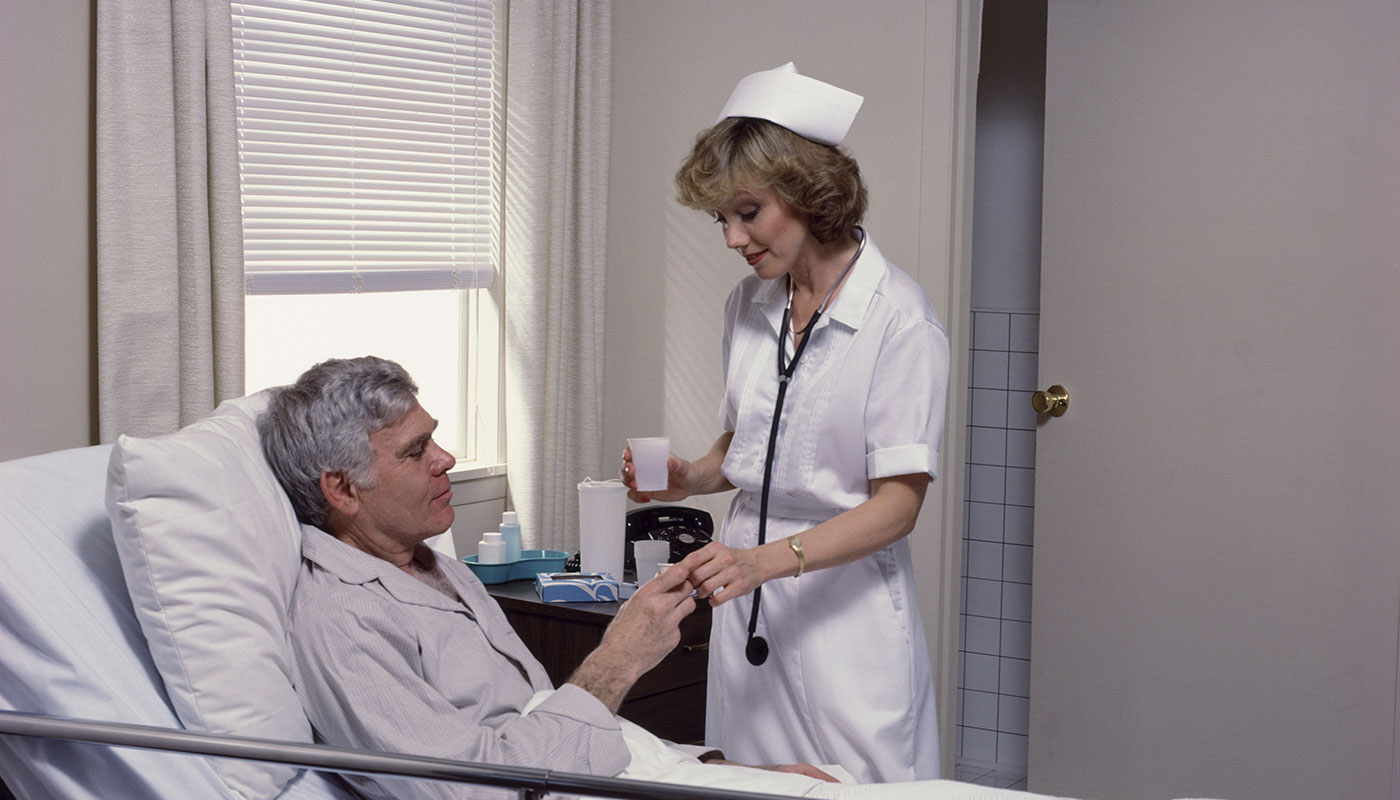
(557, 106)
(169, 227)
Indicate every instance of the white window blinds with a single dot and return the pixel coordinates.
(367, 134)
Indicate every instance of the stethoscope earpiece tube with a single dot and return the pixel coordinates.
(756, 651)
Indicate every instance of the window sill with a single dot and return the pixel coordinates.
(464, 471)
(477, 482)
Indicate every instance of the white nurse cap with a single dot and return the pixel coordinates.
(803, 105)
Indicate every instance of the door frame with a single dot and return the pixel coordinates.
(945, 245)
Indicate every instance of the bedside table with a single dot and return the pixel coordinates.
(669, 700)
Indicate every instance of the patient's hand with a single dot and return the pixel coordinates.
(645, 630)
(797, 769)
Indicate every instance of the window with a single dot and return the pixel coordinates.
(369, 141)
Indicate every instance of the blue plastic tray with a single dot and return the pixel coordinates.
(531, 562)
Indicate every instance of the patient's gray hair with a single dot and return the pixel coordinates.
(322, 423)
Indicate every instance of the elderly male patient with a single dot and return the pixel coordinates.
(399, 650)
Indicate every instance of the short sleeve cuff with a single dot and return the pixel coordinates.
(904, 460)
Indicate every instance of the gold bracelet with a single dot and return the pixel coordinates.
(796, 545)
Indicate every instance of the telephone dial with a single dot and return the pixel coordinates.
(687, 529)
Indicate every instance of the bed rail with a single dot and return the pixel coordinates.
(526, 782)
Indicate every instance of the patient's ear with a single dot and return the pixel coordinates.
(340, 492)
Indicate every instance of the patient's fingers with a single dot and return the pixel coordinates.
(676, 587)
(670, 579)
(682, 610)
(647, 627)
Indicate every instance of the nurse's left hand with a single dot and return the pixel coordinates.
(720, 572)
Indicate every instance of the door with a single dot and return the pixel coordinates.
(1216, 597)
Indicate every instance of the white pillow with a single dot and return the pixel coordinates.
(211, 548)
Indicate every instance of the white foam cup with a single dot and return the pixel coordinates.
(649, 457)
(602, 523)
(649, 554)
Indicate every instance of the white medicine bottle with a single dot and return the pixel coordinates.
(510, 534)
(491, 549)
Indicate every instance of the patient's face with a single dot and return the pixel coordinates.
(412, 497)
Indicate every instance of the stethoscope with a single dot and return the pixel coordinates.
(756, 651)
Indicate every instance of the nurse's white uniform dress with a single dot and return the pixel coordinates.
(847, 679)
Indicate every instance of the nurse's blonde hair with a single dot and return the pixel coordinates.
(743, 153)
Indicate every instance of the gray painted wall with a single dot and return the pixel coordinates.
(47, 239)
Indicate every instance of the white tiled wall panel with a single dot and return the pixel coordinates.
(994, 683)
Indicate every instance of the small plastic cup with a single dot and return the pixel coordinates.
(650, 553)
(649, 457)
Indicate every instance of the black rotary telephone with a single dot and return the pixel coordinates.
(687, 529)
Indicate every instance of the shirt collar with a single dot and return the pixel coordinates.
(354, 566)
(850, 303)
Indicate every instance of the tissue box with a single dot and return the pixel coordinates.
(572, 587)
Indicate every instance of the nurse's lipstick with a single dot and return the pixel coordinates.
(754, 258)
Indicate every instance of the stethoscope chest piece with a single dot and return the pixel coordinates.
(756, 651)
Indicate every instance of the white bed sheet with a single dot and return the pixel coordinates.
(654, 760)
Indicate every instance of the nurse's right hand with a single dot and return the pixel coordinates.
(678, 488)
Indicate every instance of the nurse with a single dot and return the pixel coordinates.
(835, 374)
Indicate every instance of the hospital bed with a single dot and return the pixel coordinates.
(119, 563)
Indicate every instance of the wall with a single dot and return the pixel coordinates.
(47, 227)
(674, 65)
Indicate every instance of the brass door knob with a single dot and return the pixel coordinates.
(1053, 401)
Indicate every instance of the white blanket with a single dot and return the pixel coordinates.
(655, 760)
